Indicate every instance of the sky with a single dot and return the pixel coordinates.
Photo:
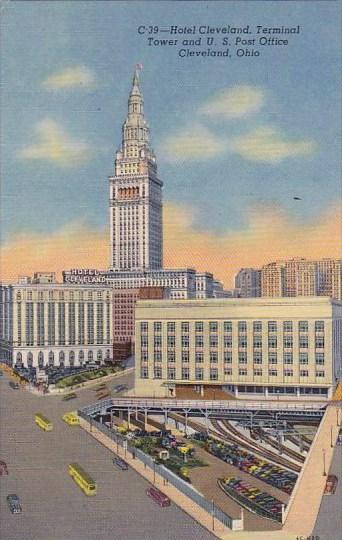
(236, 138)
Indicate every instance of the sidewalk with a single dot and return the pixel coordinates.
(186, 504)
(306, 498)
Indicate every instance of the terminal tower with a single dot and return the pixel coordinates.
(136, 229)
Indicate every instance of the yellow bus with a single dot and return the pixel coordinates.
(43, 422)
(82, 479)
(71, 419)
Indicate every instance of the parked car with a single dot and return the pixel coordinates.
(3, 468)
(121, 463)
(330, 486)
(119, 388)
(14, 385)
(158, 496)
(14, 504)
(339, 439)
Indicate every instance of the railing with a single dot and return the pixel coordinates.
(161, 470)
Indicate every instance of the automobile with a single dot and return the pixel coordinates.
(14, 504)
(67, 397)
(119, 388)
(14, 385)
(3, 468)
(121, 463)
(130, 435)
(339, 439)
(158, 496)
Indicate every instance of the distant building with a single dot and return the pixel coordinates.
(124, 302)
(55, 324)
(291, 347)
(295, 277)
(248, 283)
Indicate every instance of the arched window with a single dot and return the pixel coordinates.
(61, 358)
(90, 356)
(29, 359)
(51, 358)
(40, 359)
(99, 355)
(81, 357)
(19, 359)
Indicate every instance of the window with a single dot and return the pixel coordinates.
(257, 342)
(303, 358)
(185, 328)
(213, 341)
(242, 358)
(242, 326)
(144, 327)
(171, 356)
(185, 340)
(213, 326)
(185, 356)
(319, 326)
(257, 326)
(319, 342)
(288, 342)
(272, 326)
(157, 372)
(303, 373)
(185, 373)
(144, 372)
(199, 357)
(171, 340)
(227, 326)
(228, 371)
(242, 371)
(243, 342)
(288, 372)
(171, 327)
(199, 374)
(144, 341)
(319, 357)
(257, 372)
(288, 358)
(157, 327)
(227, 341)
(272, 342)
(303, 326)
(287, 326)
(213, 357)
(199, 341)
(320, 374)
(157, 356)
(273, 372)
(227, 357)
(144, 356)
(272, 358)
(303, 341)
(213, 374)
(257, 358)
(157, 341)
(199, 326)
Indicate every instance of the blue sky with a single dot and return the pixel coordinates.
(286, 145)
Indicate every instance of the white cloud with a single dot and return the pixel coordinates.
(234, 102)
(266, 144)
(71, 77)
(56, 146)
(193, 143)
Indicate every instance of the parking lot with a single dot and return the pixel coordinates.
(54, 508)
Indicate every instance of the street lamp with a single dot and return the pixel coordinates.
(331, 437)
(213, 514)
(324, 471)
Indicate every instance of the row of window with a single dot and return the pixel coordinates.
(272, 326)
(213, 373)
(51, 357)
(303, 341)
(257, 358)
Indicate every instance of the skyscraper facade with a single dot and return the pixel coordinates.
(135, 195)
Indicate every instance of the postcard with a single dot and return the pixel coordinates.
(171, 270)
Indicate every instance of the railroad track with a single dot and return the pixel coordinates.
(281, 447)
(221, 434)
(244, 441)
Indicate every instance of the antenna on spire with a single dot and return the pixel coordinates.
(138, 67)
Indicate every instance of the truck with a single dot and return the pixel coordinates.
(330, 486)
